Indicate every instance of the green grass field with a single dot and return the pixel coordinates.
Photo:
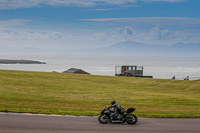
(74, 94)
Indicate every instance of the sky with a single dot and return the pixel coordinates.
(74, 24)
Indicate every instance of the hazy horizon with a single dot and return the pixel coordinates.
(158, 67)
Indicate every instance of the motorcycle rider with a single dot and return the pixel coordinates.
(118, 109)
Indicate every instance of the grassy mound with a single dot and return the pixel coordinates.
(74, 94)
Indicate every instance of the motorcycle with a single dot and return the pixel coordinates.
(109, 115)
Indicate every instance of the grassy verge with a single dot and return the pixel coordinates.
(74, 94)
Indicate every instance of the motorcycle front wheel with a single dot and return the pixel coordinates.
(131, 119)
(103, 119)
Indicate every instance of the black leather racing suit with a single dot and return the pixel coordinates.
(118, 110)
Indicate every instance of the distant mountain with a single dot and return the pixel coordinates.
(140, 49)
(134, 48)
(120, 49)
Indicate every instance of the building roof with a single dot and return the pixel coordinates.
(76, 70)
(71, 70)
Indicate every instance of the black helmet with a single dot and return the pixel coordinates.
(113, 102)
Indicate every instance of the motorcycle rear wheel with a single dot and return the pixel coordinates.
(103, 119)
(131, 119)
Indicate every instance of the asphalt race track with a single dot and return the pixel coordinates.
(23, 123)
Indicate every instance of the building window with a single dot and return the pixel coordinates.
(139, 68)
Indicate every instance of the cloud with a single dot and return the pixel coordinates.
(162, 36)
(138, 19)
(14, 4)
(163, 0)
(149, 20)
(33, 38)
(13, 22)
(108, 9)
(28, 34)
(160, 33)
(127, 30)
(15, 37)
